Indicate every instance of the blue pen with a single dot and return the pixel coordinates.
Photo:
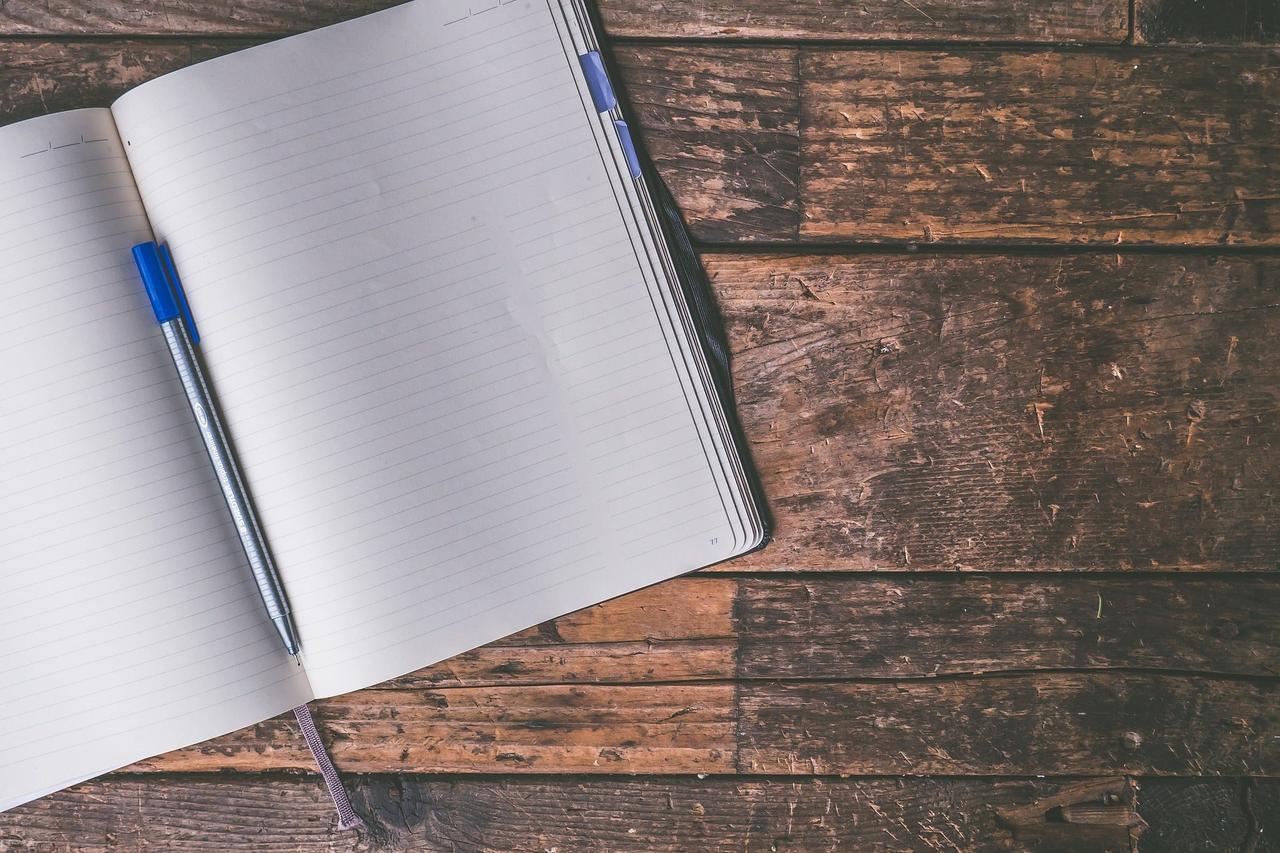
(160, 278)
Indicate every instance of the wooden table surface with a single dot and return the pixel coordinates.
(1003, 288)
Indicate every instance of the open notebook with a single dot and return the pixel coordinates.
(467, 363)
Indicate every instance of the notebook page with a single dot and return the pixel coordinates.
(430, 330)
(128, 623)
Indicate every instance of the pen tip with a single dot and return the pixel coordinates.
(297, 659)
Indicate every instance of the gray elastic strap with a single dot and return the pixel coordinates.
(347, 817)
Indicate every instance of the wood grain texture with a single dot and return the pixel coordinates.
(1104, 21)
(722, 126)
(1055, 21)
(683, 728)
(1169, 148)
(709, 628)
(1010, 412)
(1054, 725)
(1206, 21)
(405, 813)
(877, 627)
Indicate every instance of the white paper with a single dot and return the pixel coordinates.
(129, 624)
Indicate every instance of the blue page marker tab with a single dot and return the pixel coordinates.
(628, 147)
(598, 81)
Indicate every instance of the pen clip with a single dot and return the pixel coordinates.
(160, 278)
(156, 281)
(175, 283)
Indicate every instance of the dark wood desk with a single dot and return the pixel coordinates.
(1003, 285)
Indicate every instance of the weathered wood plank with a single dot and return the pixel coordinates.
(842, 626)
(1104, 21)
(1201, 22)
(722, 126)
(685, 728)
(515, 814)
(1036, 724)
(1051, 724)
(855, 627)
(1096, 21)
(1169, 148)
(997, 412)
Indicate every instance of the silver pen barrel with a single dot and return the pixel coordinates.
(230, 479)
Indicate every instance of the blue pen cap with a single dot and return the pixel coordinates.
(167, 257)
(156, 282)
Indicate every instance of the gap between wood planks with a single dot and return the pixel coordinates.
(922, 249)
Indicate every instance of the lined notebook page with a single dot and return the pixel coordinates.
(128, 624)
(429, 328)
